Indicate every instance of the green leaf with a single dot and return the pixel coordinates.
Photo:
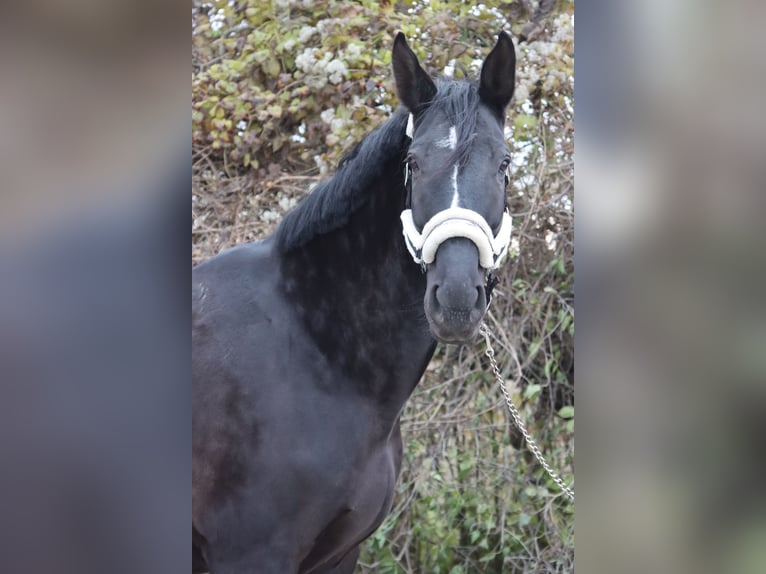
(532, 391)
(566, 412)
(524, 121)
(271, 67)
(488, 557)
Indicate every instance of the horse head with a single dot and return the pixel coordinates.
(455, 223)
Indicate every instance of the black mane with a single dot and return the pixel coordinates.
(333, 201)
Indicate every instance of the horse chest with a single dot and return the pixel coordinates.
(371, 488)
(361, 502)
(344, 460)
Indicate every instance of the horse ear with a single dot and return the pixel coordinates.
(413, 84)
(498, 74)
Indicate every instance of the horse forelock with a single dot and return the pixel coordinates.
(458, 102)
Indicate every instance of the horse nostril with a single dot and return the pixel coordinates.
(434, 297)
(479, 297)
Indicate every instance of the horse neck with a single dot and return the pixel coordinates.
(360, 297)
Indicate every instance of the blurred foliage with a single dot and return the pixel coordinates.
(279, 91)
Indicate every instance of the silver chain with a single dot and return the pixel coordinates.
(531, 444)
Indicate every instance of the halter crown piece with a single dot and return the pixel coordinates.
(454, 222)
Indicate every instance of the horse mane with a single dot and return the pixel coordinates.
(332, 202)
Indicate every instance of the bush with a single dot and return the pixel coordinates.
(279, 91)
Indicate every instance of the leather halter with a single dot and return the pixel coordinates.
(454, 222)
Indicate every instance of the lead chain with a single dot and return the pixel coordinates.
(531, 443)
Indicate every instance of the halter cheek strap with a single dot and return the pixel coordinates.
(456, 222)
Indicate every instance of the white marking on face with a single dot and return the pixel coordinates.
(410, 127)
(450, 141)
(455, 195)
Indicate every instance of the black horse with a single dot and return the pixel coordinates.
(307, 345)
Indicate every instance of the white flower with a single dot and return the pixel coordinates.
(305, 60)
(539, 52)
(287, 203)
(554, 79)
(336, 71)
(564, 28)
(533, 57)
(325, 26)
(316, 82)
(521, 94)
(353, 51)
(532, 77)
(306, 33)
(269, 216)
(290, 44)
(337, 124)
(327, 115)
(550, 240)
(323, 166)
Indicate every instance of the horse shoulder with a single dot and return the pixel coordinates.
(231, 311)
(236, 284)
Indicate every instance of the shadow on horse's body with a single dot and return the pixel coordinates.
(306, 346)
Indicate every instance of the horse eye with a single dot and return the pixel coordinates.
(413, 164)
(504, 165)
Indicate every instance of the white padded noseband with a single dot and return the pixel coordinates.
(457, 222)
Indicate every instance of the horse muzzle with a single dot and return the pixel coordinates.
(455, 298)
